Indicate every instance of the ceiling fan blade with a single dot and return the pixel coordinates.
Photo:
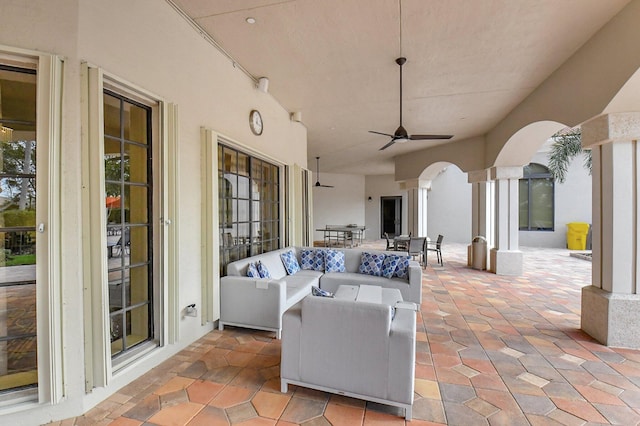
(380, 133)
(318, 185)
(428, 137)
(388, 145)
(401, 133)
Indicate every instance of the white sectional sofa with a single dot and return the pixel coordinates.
(259, 303)
(358, 349)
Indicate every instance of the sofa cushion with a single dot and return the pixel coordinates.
(389, 265)
(334, 261)
(302, 280)
(402, 269)
(252, 270)
(330, 281)
(263, 270)
(290, 262)
(371, 263)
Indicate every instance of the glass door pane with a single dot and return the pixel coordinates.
(249, 206)
(127, 156)
(18, 334)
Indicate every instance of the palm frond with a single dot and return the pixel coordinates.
(567, 144)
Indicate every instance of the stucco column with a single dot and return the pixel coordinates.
(417, 206)
(506, 257)
(611, 304)
(482, 209)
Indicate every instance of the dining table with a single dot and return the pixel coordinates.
(401, 242)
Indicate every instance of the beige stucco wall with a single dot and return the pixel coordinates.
(147, 44)
(341, 205)
(583, 87)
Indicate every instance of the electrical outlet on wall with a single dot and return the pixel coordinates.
(191, 311)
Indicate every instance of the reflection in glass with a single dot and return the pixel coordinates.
(249, 204)
(111, 116)
(136, 158)
(542, 211)
(536, 199)
(135, 123)
(243, 165)
(128, 204)
(523, 206)
(18, 148)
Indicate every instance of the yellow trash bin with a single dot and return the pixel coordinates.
(577, 233)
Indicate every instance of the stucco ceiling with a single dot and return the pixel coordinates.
(469, 63)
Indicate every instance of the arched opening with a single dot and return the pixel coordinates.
(449, 203)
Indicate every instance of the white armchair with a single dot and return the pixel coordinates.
(351, 348)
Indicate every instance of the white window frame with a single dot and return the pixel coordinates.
(99, 368)
(210, 285)
(48, 277)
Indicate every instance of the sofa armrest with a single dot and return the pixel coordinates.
(290, 351)
(250, 301)
(415, 282)
(402, 355)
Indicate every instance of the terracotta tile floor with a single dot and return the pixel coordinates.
(491, 350)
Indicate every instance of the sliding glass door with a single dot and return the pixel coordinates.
(18, 333)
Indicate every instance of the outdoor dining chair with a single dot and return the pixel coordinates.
(431, 246)
(417, 248)
(389, 244)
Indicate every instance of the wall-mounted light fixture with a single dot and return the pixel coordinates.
(263, 84)
(296, 116)
(370, 199)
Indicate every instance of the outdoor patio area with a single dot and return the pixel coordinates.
(491, 349)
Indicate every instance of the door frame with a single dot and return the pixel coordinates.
(398, 214)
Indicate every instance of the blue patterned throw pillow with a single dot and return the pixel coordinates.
(318, 261)
(371, 264)
(263, 271)
(402, 269)
(320, 292)
(307, 259)
(290, 262)
(334, 261)
(252, 271)
(389, 265)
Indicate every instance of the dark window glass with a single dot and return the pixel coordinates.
(249, 205)
(128, 192)
(536, 199)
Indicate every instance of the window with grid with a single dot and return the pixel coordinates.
(128, 201)
(249, 203)
(536, 195)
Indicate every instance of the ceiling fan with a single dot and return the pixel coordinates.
(401, 135)
(318, 175)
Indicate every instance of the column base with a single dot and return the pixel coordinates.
(506, 262)
(613, 319)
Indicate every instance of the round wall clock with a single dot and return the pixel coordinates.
(255, 122)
